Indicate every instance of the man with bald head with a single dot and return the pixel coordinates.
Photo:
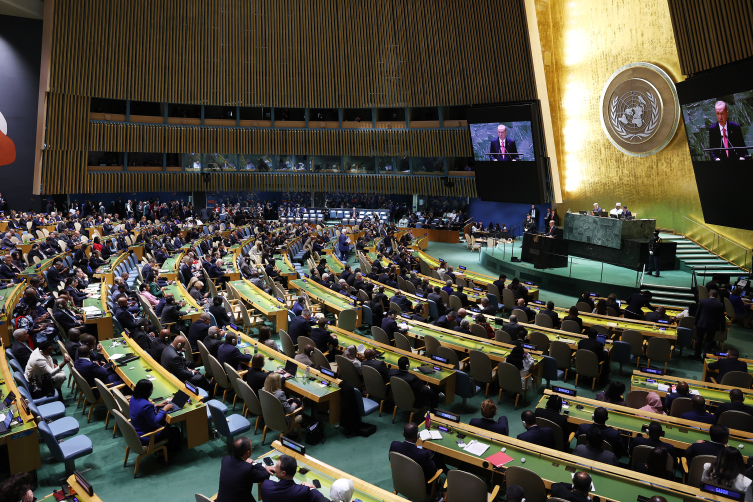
(176, 364)
(681, 390)
(736, 403)
(502, 145)
(699, 413)
(159, 344)
(123, 315)
(725, 134)
(576, 492)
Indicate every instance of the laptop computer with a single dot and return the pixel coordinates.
(291, 368)
(6, 425)
(602, 338)
(7, 401)
(179, 400)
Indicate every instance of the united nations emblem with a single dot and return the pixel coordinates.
(639, 109)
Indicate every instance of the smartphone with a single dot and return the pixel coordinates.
(268, 461)
(317, 483)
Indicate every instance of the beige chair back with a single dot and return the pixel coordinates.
(695, 470)
(544, 321)
(479, 331)
(405, 472)
(450, 355)
(202, 498)
(380, 335)
(81, 383)
(218, 373)
(532, 484)
(375, 386)
(188, 353)
(124, 404)
(737, 379)
(509, 377)
(635, 339)
(403, 394)
(288, 347)
(641, 453)
(570, 326)
(303, 341)
(562, 353)
(602, 330)
(508, 299)
(540, 340)
(481, 367)
(583, 307)
(680, 405)
(522, 316)
(402, 342)
(636, 399)
(502, 336)
(273, 412)
(605, 445)
(465, 487)
(559, 434)
(445, 296)
(250, 398)
(659, 349)
(455, 303)
(432, 344)
(233, 377)
(348, 371)
(393, 306)
(703, 293)
(347, 320)
(320, 360)
(204, 353)
(586, 364)
(129, 433)
(738, 420)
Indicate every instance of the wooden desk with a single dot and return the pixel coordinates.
(165, 385)
(11, 296)
(104, 322)
(273, 309)
(629, 422)
(178, 290)
(334, 302)
(445, 378)
(437, 235)
(23, 441)
(81, 495)
(325, 397)
(711, 392)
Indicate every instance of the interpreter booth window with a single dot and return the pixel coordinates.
(173, 161)
(149, 112)
(105, 160)
(454, 116)
(426, 117)
(359, 165)
(290, 117)
(146, 161)
(180, 114)
(357, 118)
(461, 164)
(428, 165)
(402, 164)
(192, 162)
(390, 118)
(256, 117)
(259, 163)
(284, 163)
(219, 115)
(386, 165)
(220, 162)
(325, 164)
(113, 110)
(324, 118)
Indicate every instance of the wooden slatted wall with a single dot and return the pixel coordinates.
(273, 53)
(711, 33)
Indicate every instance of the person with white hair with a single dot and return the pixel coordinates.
(342, 490)
(597, 209)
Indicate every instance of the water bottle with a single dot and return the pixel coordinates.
(308, 372)
(427, 421)
(256, 349)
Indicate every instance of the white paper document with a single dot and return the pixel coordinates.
(116, 356)
(476, 448)
(662, 387)
(425, 435)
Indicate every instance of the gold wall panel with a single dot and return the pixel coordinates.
(589, 40)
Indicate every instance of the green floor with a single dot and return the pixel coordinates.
(197, 470)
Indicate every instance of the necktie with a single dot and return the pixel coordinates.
(502, 148)
(726, 142)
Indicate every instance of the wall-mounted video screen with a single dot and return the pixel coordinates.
(717, 108)
(509, 163)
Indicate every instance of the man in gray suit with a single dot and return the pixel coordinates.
(594, 450)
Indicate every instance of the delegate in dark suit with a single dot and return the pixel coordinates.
(237, 478)
(198, 331)
(565, 491)
(230, 354)
(737, 406)
(708, 321)
(255, 378)
(22, 352)
(610, 435)
(299, 326)
(220, 315)
(596, 454)
(389, 325)
(705, 448)
(553, 416)
(726, 365)
(380, 366)
(496, 151)
(734, 138)
(422, 456)
(212, 344)
(499, 427)
(540, 436)
(89, 371)
(287, 490)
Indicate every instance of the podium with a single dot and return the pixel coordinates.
(544, 252)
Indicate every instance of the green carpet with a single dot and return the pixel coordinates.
(197, 470)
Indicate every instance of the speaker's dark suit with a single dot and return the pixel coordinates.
(499, 427)
(735, 138)
(540, 436)
(509, 148)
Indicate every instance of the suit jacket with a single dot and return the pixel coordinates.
(725, 366)
(565, 491)
(669, 399)
(255, 378)
(498, 427)
(705, 448)
(299, 327)
(553, 416)
(644, 441)
(321, 337)
(636, 302)
(22, 352)
(695, 416)
(175, 363)
(198, 331)
(441, 307)
(598, 455)
(509, 148)
(71, 347)
(380, 366)
(66, 319)
(553, 314)
(732, 406)
(610, 435)
(156, 351)
(232, 355)
(402, 302)
(125, 318)
(539, 435)
(416, 384)
(212, 345)
(514, 329)
(709, 314)
(389, 326)
(463, 298)
(237, 479)
(141, 338)
(735, 138)
(288, 491)
(171, 314)
(443, 322)
(422, 456)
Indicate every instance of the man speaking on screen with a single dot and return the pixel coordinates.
(502, 146)
(725, 134)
